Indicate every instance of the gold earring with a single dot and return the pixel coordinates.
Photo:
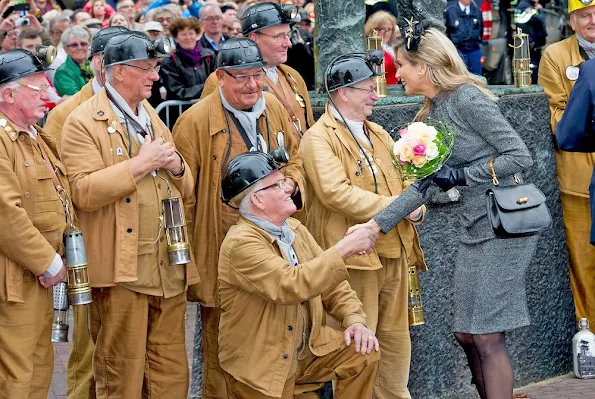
(419, 74)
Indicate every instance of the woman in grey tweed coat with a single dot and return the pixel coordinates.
(489, 281)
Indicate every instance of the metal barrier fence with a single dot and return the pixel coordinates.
(173, 109)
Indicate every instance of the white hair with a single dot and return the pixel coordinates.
(245, 199)
(208, 7)
(10, 85)
(75, 31)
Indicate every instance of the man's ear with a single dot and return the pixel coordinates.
(257, 201)
(7, 95)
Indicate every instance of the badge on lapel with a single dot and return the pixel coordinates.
(572, 72)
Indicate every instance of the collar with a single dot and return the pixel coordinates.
(142, 118)
(95, 85)
(272, 73)
(212, 42)
(464, 7)
(293, 225)
(217, 121)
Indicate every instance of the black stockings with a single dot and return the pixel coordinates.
(489, 363)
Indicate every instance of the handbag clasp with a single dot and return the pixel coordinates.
(522, 200)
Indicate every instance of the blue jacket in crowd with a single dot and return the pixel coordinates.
(576, 130)
(465, 31)
(192, 11)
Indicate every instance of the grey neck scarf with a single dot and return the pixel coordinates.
(142, 118)
(249, 119)
(272, 73)
(588, 46)
(283, 235)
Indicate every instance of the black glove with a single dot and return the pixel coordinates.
(447, 178)
(423, 184)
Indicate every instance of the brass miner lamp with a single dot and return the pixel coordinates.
(375, 43)
(521, 60)
(416, 308)
(174, 222)
(79, 291)
(60, 323)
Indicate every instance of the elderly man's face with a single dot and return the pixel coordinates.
(583, 22)
(211, 22)
(29, 98)
(165, 19)
(360, 99)
(241, 88)
(58, 29)
(273, 43)
(136, 78)
(275, 197)
(154, 34)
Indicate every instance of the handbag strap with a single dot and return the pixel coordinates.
(62, 193)
(495, 178)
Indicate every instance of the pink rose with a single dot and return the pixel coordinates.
(403, 132)
(419, 149)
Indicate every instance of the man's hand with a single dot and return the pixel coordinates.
(370, 225)
(156, 154)
(7, 24)
(48, 282)
(364, 339)
(415, 215)
(358, 241)
(174, 166)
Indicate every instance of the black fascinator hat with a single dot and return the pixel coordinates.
(413, 33)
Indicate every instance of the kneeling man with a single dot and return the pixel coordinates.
(275, 283)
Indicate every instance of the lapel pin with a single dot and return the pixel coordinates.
(119, 151)
(111, 129)
(100, 113)
(3, 122)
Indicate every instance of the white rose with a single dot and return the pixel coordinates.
(416, 128)
(431, 151)
(398, 148)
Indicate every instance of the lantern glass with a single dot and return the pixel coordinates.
(521, 46)
(176, 235)
(174, 212)
(374, 41)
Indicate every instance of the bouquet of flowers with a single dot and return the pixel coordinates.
(422, 148)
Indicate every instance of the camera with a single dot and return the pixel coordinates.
(21, 21)
(294, 38)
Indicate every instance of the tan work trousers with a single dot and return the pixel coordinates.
(213, 377)
(577, 223)
(354, 374)
(384, 295)
(26, 352)
(80, 382)
(139, 345)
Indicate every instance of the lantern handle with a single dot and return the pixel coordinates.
(519, 34)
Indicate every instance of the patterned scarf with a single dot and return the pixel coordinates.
(588, 46)
(283, 235)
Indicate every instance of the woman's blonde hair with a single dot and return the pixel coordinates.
(378, 19)
(445, 67)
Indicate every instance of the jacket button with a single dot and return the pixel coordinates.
(27, 163)
(22, 138)
(289, 328)
(214, 157)
(27, 194)
(129, 230)
(128, 200)
(160, 263)
(357, 173)
(285, 356)
(162, 239)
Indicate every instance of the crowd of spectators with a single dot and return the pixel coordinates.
(195, 28)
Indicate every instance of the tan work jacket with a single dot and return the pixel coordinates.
(202, 136)
(558, 71)
(104, 190)
(293, 79)
(56, 118)
(260, 295)
(33, 218)
(343, 188)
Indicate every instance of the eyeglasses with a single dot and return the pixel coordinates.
(212, 19)
(278, 38)
(280, 184)
(369, 91)
(36, 88)
(384, 30)
(155, 68)
(76, 45)
(245, 78)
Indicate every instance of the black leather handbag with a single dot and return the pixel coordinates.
(518, 210)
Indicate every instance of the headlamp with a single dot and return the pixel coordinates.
(162, 45)
(46, 54)
(289, 12)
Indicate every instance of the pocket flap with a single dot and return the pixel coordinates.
(513, 198)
